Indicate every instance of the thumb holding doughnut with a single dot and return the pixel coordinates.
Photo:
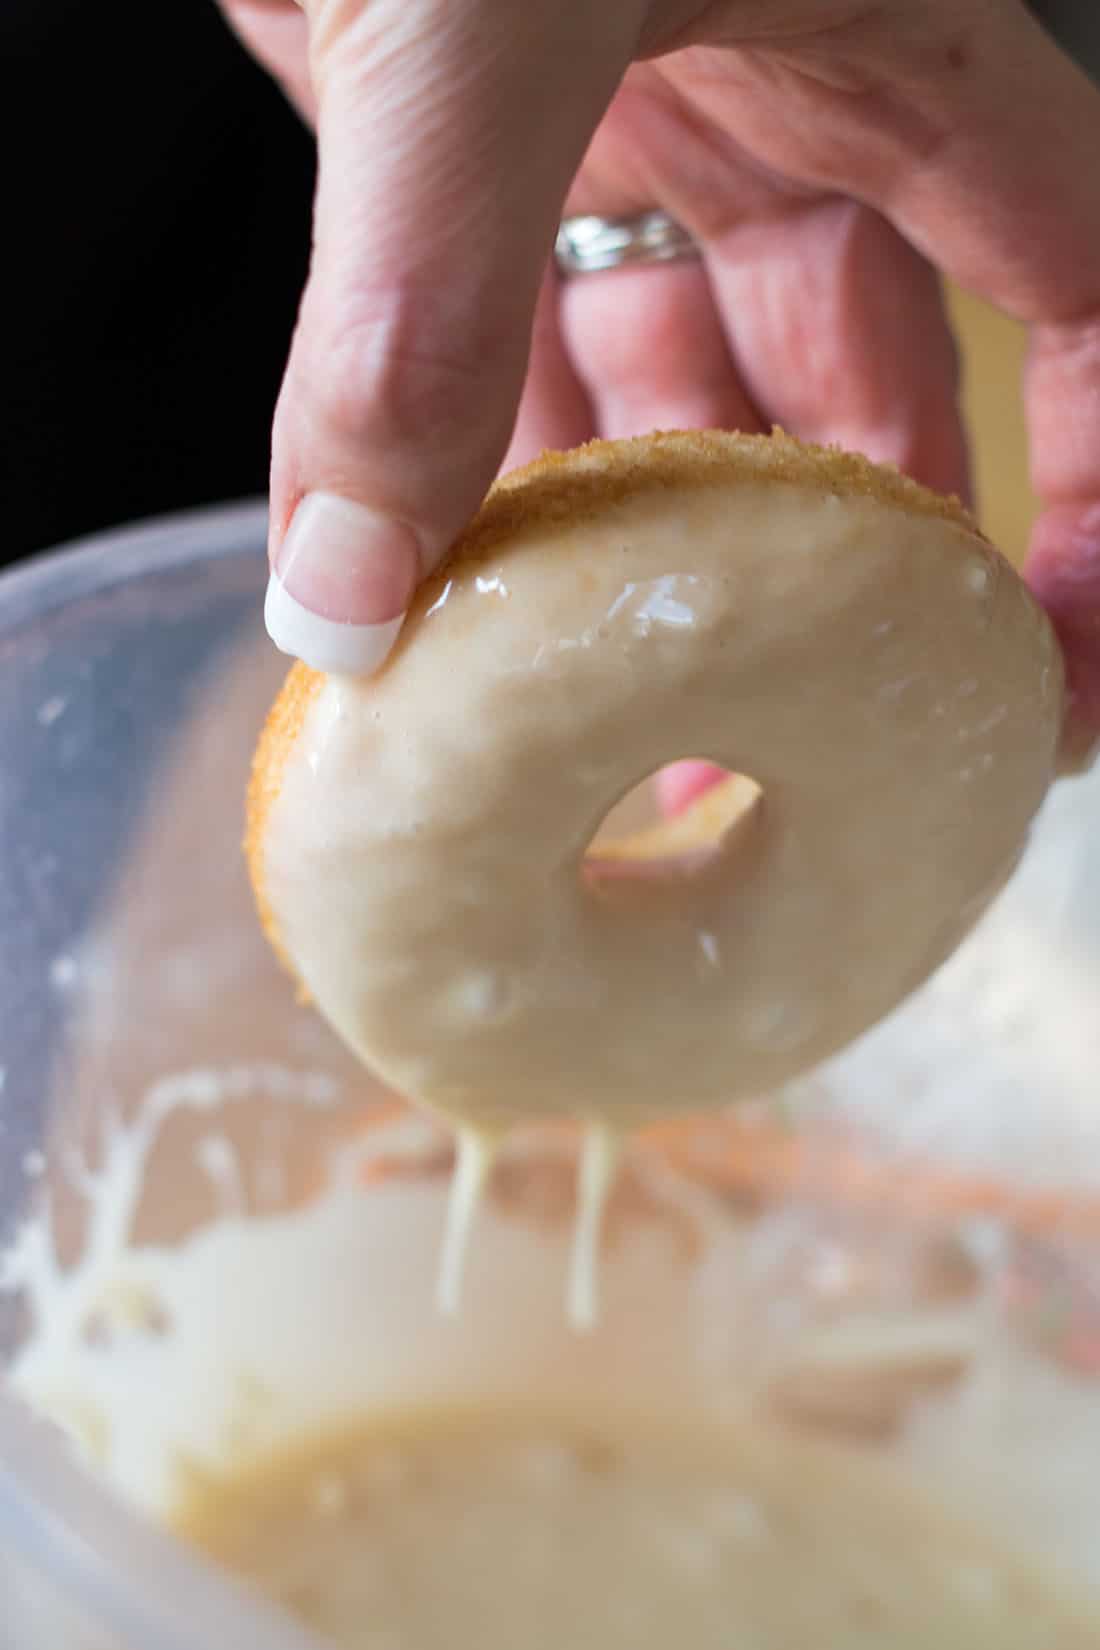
(445, 151)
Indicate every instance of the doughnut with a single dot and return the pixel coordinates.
(872, 673)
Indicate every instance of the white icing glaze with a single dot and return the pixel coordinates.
(473, 1164)
(538, 1529)
(599, 1160)
(252, 1331)
(884, 678)
(251, 1334)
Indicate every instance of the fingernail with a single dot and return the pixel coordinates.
(343, 578)
(683, 783)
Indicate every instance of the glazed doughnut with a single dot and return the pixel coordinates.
(845, 641)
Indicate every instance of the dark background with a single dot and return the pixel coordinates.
(156, 193)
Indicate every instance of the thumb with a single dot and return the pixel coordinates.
(448, 134)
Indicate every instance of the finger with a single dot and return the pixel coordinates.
(651, 353)
(1025, 127)
(1063, 567)
(277, 34)
(963, 124)
(841, 334)
(978, 138)
(554, 412)
(683, 783)
(434, 217)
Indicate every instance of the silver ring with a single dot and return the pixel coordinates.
(587, 244)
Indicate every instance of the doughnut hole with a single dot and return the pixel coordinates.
(635, 841)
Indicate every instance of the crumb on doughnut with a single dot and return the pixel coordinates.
(565, 488)
(280, 731)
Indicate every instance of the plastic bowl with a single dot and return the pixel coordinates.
(215, 1230)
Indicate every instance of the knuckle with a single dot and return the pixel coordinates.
(388, 371)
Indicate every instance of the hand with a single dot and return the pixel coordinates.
(831, 157)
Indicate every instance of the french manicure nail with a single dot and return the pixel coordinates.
(343, 578)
